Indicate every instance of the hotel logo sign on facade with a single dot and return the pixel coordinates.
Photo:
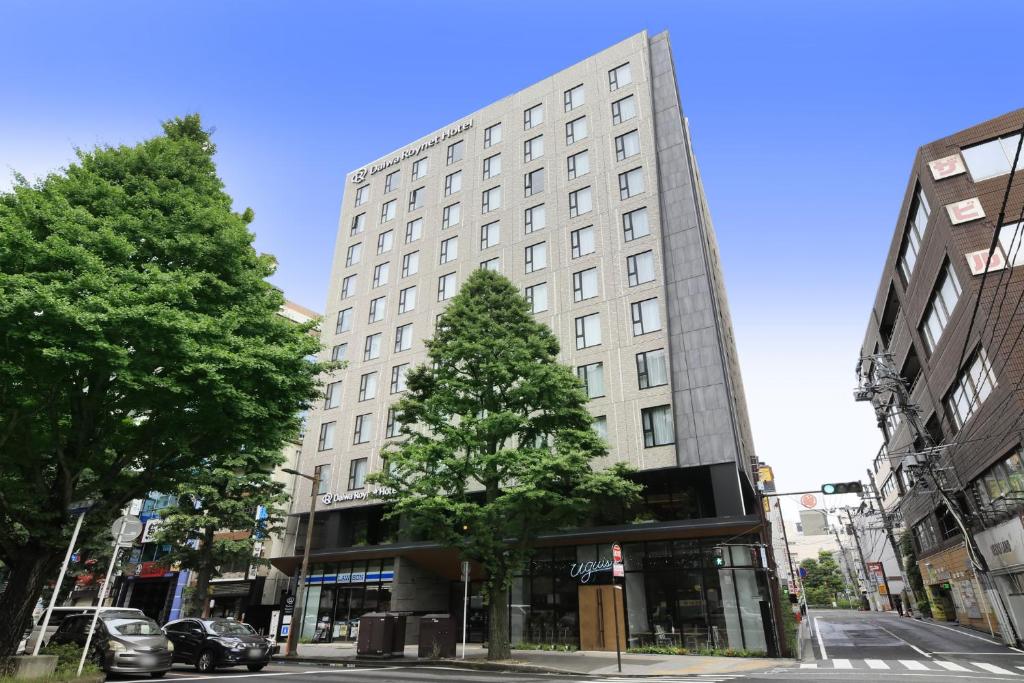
(361, 175)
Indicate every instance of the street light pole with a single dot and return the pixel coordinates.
(291, 646)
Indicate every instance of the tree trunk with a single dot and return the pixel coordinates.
(29, 574)
(201, 598)
(498, 646)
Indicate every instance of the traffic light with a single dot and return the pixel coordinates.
(718, 556)
(843, 487)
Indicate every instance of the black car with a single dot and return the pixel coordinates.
(123, 642)
(211, 643)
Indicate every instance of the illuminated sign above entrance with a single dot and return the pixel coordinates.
(329, 498)
(361, 175)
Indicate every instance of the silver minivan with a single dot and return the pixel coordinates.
(121, 643)
(62, 613)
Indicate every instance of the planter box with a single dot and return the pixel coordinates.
(26, 666)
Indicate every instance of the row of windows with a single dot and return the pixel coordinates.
(357, 470)
(651, 370)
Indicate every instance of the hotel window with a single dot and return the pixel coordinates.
(652, 368)
(584, 284)
(533, 148)
(398, 378)
(634, 224)
(362, 194)
(449, 250)
(492, 166)
(358, 223)
(976, 382)
(407, 299)
(357, 474)
(326, 441)
(536, 256)
(640, 268)
(533, 182)
(413, 230)
(387, 210)
(534, 219)
(580, 202)
(332, 395)
(339, 352)
(377, 309)
(419, 169)
(574, 97)
(354, 253)
(493, 264)
(578, 164)
(416, 198)
(451, 215)
(582, 241)
(446, 287)
(658, 428)
(452, 183)
(576, 130)
(623, 110)
(492, 135)
(490, 200)
(537, 296)
(940, 307)
(368, 386)
(992, 158)
(348, 286)
(380, 274)
(588, 330)
(620, 76)
(916, 226)
(391, 181)
(322, 476)
(534, 116)
(364, 428)
(601, 426)
(456, 151)
(394, 427)
(403, 338)
(411, 264)
(371, 349)
(592, 376)
(490, 235)
(631, 183)
(627, 145)
(344, 323)
(385, 241)
(646, 316)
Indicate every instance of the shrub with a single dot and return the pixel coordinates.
(548, 647)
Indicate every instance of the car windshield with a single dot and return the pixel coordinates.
(133, 627)
(230, 628)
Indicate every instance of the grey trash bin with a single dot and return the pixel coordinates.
(437, 636)
(376, 634)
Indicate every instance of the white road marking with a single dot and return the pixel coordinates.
(806, 665)
(992, 668)
(914, 664)
(842, 664)
(914, 647)
(956, 630)
(295, 673)
(876, 664)
(988, 654)
(821, 642)
(951, 666)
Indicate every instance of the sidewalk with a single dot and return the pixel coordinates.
(577, 663)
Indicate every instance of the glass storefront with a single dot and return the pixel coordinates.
(338, 594)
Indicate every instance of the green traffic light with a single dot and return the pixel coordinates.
(828, 488)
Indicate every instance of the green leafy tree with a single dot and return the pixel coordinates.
(824, 579)
(498, 444)
(139, 341)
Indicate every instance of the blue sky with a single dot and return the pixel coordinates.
(805, 118)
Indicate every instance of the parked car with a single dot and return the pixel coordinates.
(211, 643)
(59, 615)
(122, 643)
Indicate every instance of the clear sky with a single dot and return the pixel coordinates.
(805, 118)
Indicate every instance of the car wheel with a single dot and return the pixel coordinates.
(206, 663)
(157, 674)
(254, 667)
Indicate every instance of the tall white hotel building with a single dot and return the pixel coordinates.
(583, 189)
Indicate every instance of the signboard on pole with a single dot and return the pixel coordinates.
(617, 567)
(125, 529)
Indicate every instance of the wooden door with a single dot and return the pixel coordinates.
(599, 606)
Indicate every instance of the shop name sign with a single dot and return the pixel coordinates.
(361, 175)
(584, 570)
(329, 498)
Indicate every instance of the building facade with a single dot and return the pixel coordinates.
(583, 190)
(963, 372)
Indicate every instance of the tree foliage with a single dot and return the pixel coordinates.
(498, 444)
(139, 339)
(824, 580)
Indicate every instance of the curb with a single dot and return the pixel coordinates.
(354, 662)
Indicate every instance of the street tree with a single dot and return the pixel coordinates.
(824, 580)
(497, 442)
(139, 341)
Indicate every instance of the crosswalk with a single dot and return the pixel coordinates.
(699, 678)
(935, 665)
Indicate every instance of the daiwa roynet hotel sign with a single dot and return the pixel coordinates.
(360, 175)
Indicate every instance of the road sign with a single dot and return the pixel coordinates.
(803, 573)
(808, 500)
(289, 606)
(129, 532)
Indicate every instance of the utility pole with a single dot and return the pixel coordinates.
(844, 565)
(908, 592)
(860, 553)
